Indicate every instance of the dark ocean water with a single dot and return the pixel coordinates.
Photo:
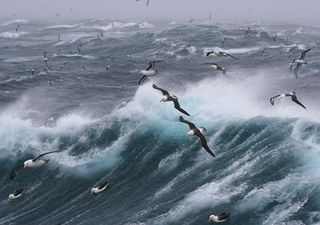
(268, 157)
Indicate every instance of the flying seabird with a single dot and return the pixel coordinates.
(33, 71)
(248, 31)
(123, 104)
(17, 28)
(198, 132)
(220, 53)
(215, 66)
(99, 188)
(275, 37)
(223, 41)
(101, 33)
(299, 62)
(219, 218)
(167, 98)
(148, 3)
(291, 94)
(45, 58)
(50, 82)
(149, 71)
(78, 48)
(16, 194)
(31, 163)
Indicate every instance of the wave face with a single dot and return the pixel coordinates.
(267, 165)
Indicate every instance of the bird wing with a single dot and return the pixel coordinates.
(141, 80)
(156, 61)
(102, 184)
(210, 64)
(296, 101)
(15, 170)
(304, 53)
(18, 192)
(223, 70)
(223, 216)
(231, 56)
(177, 106)
(46, 153)
(273, 98)
(150, 66)
(204, 143)
(209, 53)
(297, 67)
(164, 92)
(191, 125)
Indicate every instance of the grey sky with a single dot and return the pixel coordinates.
(286, 11)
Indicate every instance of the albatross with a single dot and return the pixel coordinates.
(31, 163)
(198, 132)
(16, 194)
(293, 96)
(299, 62)
(149, 71)
(99, 188)
(170, 98)
(219, 218)
(221, 53)
(215, 66)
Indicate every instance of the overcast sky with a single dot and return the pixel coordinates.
(282, 11)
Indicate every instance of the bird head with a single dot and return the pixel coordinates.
(211, 218)
(164, 98)
(203, 130)
(27, 163)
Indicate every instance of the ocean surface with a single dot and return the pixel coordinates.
(268, 157)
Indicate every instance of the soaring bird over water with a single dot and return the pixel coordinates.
(220, 53)
(299, 62)
(219, 218)
(149, 71)
(293, 96)
(31, 163)
(198, 132)
(17, 194)
(99, 188)
(215, 66)
(170, 98)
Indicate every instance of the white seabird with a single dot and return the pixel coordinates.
(198, 132)
(149, 71)
(31, 163)
(99, 188)
(219, 218)
(17, 194)
(215, 66)
(220, 53)
(167, 98)
(293, 96)
(299, 62)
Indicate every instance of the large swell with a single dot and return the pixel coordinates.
(267, 165)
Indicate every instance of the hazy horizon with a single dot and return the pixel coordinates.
(274, 11)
